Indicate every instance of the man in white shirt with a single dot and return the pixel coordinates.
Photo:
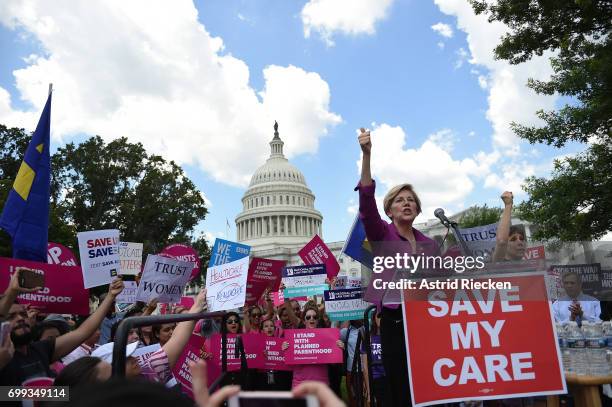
(575, 305)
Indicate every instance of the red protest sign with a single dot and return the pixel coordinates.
(483, 343)
(274, 356)
(263, 273)
(313, 346)
(316, 252)
(63, 292)
(534, 253)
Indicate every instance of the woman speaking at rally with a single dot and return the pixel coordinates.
(401, 205)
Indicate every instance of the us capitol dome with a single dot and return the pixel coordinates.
(278, 213)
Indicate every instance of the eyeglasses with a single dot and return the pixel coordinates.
(310, 316)
(232, 321)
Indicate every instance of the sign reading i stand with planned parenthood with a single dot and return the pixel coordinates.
(482, 344)
(225, 251)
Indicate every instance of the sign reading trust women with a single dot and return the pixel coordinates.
(99, 250)
(226, 285)
(163, 279)
(485, 342)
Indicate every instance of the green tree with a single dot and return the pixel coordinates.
(573, 204)
(95, 185)
(479, 216)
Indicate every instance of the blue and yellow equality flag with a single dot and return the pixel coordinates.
(26, 211)
(357, 246)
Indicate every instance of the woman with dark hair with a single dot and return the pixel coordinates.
(510, 240)
(231, 323)
(85, 370)
(162, 333)
(402, 205)
(318, 373)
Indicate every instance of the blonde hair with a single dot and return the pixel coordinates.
(394, 192)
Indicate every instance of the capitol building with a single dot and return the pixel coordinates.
(279, 215)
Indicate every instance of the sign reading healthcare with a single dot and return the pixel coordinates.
(304, 280)
(163, 279)
(130, 258)
(345, 304)
(225, 251)
(99, 250)
(481, 343)
(226, 285)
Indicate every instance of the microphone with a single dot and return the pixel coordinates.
(439, 213)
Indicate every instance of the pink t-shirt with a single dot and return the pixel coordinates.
(157, 368)
(302, 373)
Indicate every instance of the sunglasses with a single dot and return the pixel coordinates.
(309, 317)
(232, 321)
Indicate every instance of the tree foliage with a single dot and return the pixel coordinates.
(479, 216)
(95, 185)
(571, 205)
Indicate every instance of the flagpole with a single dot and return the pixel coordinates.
(50, 88)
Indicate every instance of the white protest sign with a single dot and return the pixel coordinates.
(128, 295)
(163, 279)
(143, 354)
(99, 251)
(226, 284)
(130, 255)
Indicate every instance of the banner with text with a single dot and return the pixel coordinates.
(317, 252)
(128, 295)
(590, 276)
(482, 343)
(99, 251)
(274, 356)
(63, 292)
(226, 285)
(163, 279)
(225, 251)
(130, 258)
(60, 254)
(263, 274)
(304, 280)
(313, 346)
(345, 304)
(184, 252)
(480, 239)
(253, 345)
(194, 351)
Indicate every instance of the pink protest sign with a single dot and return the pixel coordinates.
(254, 292)
(278, 298)
(316, 252)
(183, 252)
(194, 351)
(60, 254)
(63, 292)
(313, 346)
(253, 348)
(186, 302)
(266, 270)
(274, 356)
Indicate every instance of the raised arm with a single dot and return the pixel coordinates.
(12, 291)
(183, 330)
(503, 229)
(295, 321)
(366, 148)
(67, 343)
(269, 306)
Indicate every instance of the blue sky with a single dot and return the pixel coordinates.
(202, 83)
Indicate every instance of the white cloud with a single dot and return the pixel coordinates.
(150, 71)
(349, 17)
(440, 44)
(462, 56)
(444, 30)
(445, 139)
(353, 207)
(438, 178)
(509, 98)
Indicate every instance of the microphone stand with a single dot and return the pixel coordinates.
(455, 229)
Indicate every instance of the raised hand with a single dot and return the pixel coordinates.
(364, 141)
(508, 198)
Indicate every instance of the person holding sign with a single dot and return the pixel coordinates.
(510, 240)
(402, 205)
(317, 373)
